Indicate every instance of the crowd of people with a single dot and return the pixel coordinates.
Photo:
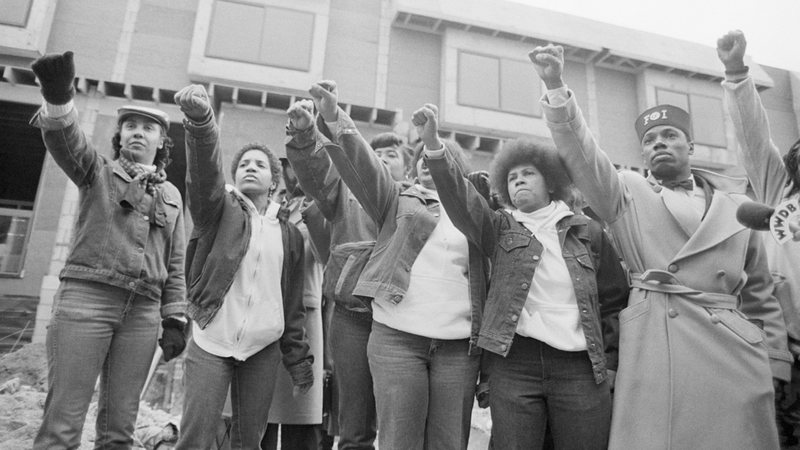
(587, 307)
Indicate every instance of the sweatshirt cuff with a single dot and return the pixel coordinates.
(558, 96)
(52, 111)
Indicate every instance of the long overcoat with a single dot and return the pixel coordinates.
(702, 329)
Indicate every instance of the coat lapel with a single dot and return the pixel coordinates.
(718, 225)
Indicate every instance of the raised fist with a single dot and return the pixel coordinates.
(426, 121)
(731, 49)
(56, 74)
(326, 97)
(194, 102)
(549, 64)
(301, 114)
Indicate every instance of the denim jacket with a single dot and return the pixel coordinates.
(220, 239)
(352, 231)
(405, 216)
(599, 281)
(113, 244)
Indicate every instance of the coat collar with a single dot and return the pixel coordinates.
(718, 225)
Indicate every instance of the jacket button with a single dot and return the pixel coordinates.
(720, 273)
(524, 285)
(536, 257)
(510, 241)
(673, 268)
(131, 284)
(715, 319)
(672, 312)
(503, 347)
(514, 317)
(584, 310)
(146, 218)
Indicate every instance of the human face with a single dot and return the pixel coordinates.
(392, 157)
(666, 151)
(424, 176)
(140, 138)
(254, 174)
(527, 188)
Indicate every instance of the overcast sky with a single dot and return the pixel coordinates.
(772, 27)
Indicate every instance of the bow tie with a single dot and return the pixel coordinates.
(687, 184)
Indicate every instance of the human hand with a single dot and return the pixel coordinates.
(172, 341)
(326, 97)
(730, 50)
(56, 74)
(548, 61)
(194, 102)
(426, 121)
(301, 114)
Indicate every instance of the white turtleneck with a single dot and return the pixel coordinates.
(551, 312)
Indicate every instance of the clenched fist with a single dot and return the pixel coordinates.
(194, 102)
(326, 97)
(301, 114)
(731, 49)
(426, 121)
(548, 61)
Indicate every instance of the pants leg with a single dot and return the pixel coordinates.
(579, 409)
(125, 372)
(252, 387)
(453, 375)
(516, 396)
(349, 333)
(206, 382)
(78, 338)
(399, 363)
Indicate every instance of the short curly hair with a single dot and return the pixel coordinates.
(542, 154)
(450, 146)
(162, 159)
(791, 161)
(274, 165)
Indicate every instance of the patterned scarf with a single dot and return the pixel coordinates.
(147, 179)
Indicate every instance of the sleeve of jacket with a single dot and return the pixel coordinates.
(466, 207)
(319, 231)
(173, 295)
(205, 179)
(588, 166)
(760, 156)
(293, 342)
(69, 147)
(758, 303)
(316, 174)
(612, 291)
(362, 171)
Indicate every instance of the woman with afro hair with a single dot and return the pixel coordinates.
(556, 287)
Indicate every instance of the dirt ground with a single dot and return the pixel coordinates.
(22, 403)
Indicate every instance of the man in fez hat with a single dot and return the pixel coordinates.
(702, 337)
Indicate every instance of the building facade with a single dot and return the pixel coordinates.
(388, 57)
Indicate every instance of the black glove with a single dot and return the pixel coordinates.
(172, 341)
(56, 74)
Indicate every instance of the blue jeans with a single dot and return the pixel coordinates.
(102, 330)
(536, 384)
(207, 379)
(424, 389)
(349, 333)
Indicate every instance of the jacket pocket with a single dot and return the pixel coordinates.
(345, 264)
(739, 325)
(511, 241)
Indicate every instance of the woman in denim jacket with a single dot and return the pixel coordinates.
(556, 290)
(124, 271)
(427, 286)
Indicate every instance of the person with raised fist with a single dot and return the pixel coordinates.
(550, 329)
(352, 238)
(702, 337)
(124, 273)
(425, 283)
(775, 179)
(245, 276)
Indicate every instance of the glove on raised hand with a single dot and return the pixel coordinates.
(172, 341)
(56, 74)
